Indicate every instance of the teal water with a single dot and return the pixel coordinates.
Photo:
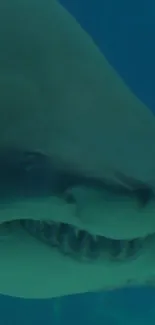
(120, 307)
(125, 32)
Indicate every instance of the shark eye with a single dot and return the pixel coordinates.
(144, 195)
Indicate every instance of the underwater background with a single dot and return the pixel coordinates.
(125, 32)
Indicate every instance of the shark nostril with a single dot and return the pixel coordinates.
(69, 197)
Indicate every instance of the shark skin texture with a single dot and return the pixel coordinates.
(59, 95)
(88, 223)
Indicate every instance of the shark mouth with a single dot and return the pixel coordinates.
(80, 244)
(32, 175)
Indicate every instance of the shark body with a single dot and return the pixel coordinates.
(70, 222)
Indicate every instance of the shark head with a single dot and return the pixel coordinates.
(76, 148)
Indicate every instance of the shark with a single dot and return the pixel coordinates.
(77, 161)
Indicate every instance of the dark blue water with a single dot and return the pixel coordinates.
(125, 32)
(124, 307)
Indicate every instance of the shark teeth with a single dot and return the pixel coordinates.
(80, 244)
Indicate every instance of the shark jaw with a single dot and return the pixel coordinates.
(42, 258)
